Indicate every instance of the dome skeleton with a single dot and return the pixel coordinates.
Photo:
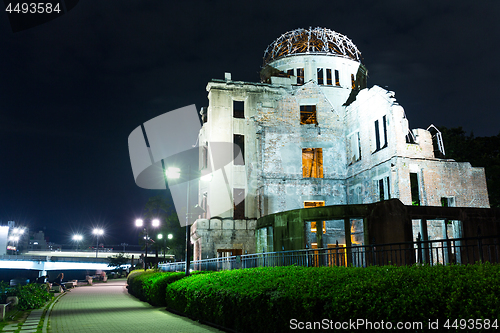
(317, 40)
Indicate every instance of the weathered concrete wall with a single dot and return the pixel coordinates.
(362, 163)
(216, 234)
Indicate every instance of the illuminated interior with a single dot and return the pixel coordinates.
(312, 163)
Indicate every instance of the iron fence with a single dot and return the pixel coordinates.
(432, 252)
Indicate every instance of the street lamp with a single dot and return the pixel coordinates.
(160, 237)
(97, 232)
(140, 223)
(15, 237)
(77, 239)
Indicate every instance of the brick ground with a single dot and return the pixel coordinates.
(107, 307)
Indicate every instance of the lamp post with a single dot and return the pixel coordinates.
(160, 237)
(140, 223)
(98, 232)
(175, 173)
(77, 239)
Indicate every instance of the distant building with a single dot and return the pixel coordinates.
(37, 242)
(313, 134)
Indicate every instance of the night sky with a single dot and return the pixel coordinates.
(73, 89)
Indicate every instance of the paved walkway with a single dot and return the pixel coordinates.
(108, 307)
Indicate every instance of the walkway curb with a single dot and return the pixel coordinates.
(47, 313)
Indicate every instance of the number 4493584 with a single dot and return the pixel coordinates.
(32, 8)
(471, 324)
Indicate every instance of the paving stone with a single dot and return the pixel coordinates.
(108, 307)
(11, 327)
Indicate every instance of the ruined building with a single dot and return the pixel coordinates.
(312, 134)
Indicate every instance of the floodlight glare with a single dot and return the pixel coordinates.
(139, 223)
(98, 232)
(156, 223)
(173, 173)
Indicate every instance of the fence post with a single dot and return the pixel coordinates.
(374, 255)
(419, 246)
(479, 244)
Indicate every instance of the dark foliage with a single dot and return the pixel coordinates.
(480, 152)
(32, 296)
(266, 299)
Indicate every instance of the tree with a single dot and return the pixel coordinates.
(480, 152)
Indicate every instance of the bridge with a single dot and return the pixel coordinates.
(44, 261)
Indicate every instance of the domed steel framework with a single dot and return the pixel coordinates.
(317, 40)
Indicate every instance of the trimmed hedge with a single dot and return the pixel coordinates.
(266, 299)
(150, 285)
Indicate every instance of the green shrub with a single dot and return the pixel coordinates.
(150, 285)
(32, 296)
(243, 300)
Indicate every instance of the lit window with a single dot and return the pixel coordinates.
(312, 204)
(290, 72)
(353, 82)
(308, 114)
(337, 80)
(312, 162)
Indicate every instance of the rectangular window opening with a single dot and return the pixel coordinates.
(448, 201)
(381, 134)
(238, 109)
(329, 77)
(354, 148)
(290, 72)
(239, 203)
(239, 149)
(337, 80)
(312, 204)
(312, 162)
(320, 76)
(377, 136)
(384, 189)
(308, 114)
(300, 75)
(381, 189)
(384, 121)
(415, 196)
(353, 82)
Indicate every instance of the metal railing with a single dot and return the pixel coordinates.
(432, 252)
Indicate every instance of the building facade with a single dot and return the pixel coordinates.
(312, 134)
